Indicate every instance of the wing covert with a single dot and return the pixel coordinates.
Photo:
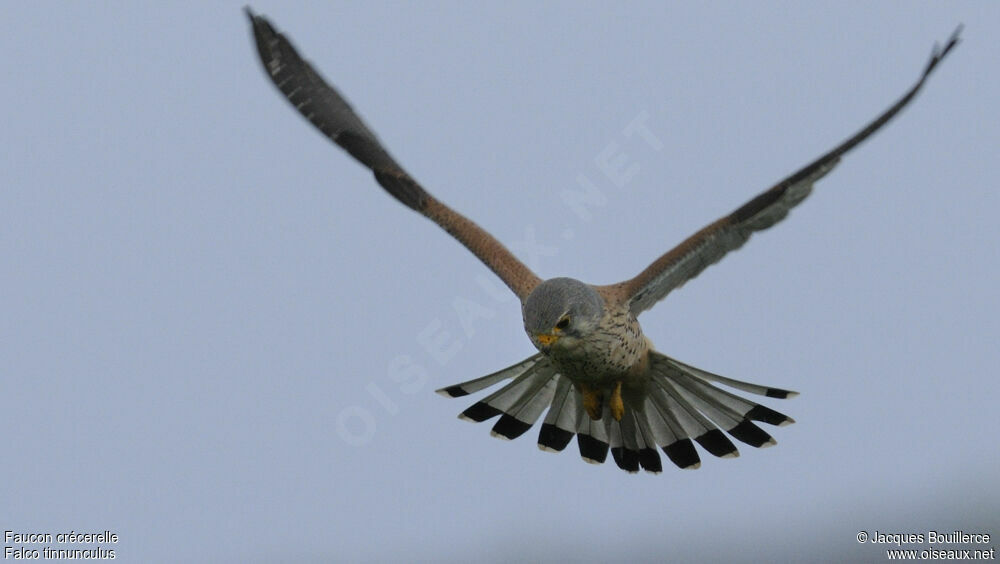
(729, 233)
(327, 110)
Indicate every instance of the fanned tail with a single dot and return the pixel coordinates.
(739, 385)
(693, 408)
(678, 407)
(472, 386)
(520, 403)
(638, 446)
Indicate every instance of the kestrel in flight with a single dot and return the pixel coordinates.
(595, 371)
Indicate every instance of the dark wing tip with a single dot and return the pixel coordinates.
(261, 27)
(266, 38)
(953, 40)
(938, 53)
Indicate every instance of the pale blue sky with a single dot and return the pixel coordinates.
(199, 291)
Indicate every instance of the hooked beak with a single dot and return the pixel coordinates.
(546, 340)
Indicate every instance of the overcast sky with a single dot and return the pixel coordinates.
(206, 305)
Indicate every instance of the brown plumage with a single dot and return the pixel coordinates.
(596, 373)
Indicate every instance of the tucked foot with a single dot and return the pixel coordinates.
(593, 401)
(617, 405)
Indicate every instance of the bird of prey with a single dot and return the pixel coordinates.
(599, 376)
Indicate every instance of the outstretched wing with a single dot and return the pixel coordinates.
(325, 108)
(729, 233)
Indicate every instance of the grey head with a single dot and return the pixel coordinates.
(560, 312)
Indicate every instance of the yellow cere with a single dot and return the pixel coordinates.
(547, 340)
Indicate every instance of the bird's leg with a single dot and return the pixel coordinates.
(593, 400)
(617, 405)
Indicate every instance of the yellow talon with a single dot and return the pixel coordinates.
(592, 400)
(617, 405)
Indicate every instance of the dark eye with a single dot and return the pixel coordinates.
(563, 323)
